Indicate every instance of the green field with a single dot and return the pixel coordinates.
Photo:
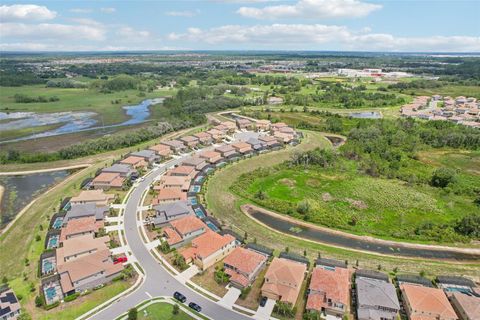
(161, 311)
(341, 198)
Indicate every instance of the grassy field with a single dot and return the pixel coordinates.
(224, 205)
(341, 198)
(71, 99)
(161, 311)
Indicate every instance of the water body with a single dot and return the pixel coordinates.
(22, 189)
(357, 244)
(73, 121)
(366, 115)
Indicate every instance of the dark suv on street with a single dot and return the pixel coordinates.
(195, 306)
(180, 297)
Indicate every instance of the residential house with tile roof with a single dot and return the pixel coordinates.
(98, 197)
(167, 212)
(209, 248)
(183, 230)
(204, 138)
(162, 150)
(180, 182)
(242, 147)
(135, 162)
(424, 303)
(190, 141)
(226, 150)
(197, 162)
(467, 307)
(79, 227)
(211, 157)
(243, 266)
(168, 195)
(283, 280)
(85, 210)
(107, 181)
(176, 145)
(124, 170)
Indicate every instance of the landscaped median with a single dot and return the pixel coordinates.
(225, 206)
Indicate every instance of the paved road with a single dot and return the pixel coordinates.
(158, 281)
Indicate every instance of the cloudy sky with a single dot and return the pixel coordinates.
(353, 25)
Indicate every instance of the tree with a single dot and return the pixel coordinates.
(469, 226)
(176, 309)
(38, 301)
(4, 279)
(261, 195)
(132, 314)
(442, 177)
(221, 276)
(303, 207)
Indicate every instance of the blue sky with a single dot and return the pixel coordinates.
(353, 25)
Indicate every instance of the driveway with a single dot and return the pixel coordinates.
(188, 274)
(230, 297)
(263, 313)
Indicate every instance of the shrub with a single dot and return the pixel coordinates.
(244, 293)
(71, 297)
(442, 177)
(220, 276)
(176, 309)
(303, 207)
(39, 301)
(53, 305)
(132, 314)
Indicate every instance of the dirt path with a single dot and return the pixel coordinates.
(18, 173)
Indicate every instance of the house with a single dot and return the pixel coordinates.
(455, 283)
(180, 182)
(93, 196)
(277, 126)
(176, 145)
(283, 137)
(166, 212)
(85, 210)
(162, 150)
(271, 142)
(108, 180)
(242, 147)
(135, 162)
(169, 195)
(256, 144)
(88, 272)
(329, 290)
(76, 247)
(79, 227)
(283, 280)
(204, 138)
(190, 141)
(376, 299)
(125, 170)
(209, 248)
(426, 303)
(226, 150)
(413, 279)
(263, 125)
(467, 307)
(211, 157)
(9, 305)
(183, 171)
(183, 230)
(148, 155)
(244, 124)
(230, 126)
(217, 135)
(197, 162)
(243, 266)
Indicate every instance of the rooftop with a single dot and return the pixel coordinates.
(374, 292)
(188, 224)
(285, 278)
(92, 196)
(210, 242)
(132, 160)
(469, 304)
(182, 170)
(118, 167)
(245, 260)
(82, 225)
(334, 283)
(428, 301)
(171, 194)
(79, 245)
(144, 153)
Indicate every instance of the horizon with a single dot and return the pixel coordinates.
(240, 25)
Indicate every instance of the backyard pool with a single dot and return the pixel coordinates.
(50, 293)
(47, 266)
(192, 201)
(195, 188)
(52, 242)
(199, 213)
(212, 226)
(208, 170)
(58, 223)
(199, 179)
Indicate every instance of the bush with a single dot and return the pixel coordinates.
(221, 276)
(39, 301)
(132, 314)
(244, 293)
(176, 309)
(71, 297)
(442, 177)
(53, 305)
(303, 207)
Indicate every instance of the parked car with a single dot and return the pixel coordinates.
(180, 297)
(121, 259)
(195, 306)
(263, 302)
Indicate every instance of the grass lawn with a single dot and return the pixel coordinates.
(207, 281)
(251, 301)
(161, 311)
(224, 205)
(341, 198)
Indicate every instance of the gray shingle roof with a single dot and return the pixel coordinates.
(168, 211)
(85, 210)
(144, 153)
(373, 292)
(118, 167)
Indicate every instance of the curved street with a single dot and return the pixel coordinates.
(158, 281)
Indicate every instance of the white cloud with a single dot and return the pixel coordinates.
(187, 13)
(128, 33)
(312, 9)
(108, 10)
(52, 31)
(320, 37)
(25, 12)
(80, 10)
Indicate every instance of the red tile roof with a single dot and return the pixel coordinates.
(188, 224)
(427, 303)
(245, 260)
(328, 284)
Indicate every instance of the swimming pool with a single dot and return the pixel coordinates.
(192, 201)
(47, 266)
(57, 224)
(208, 170)
(461, 290)
(199, 179)
(199, 213)
(212, 226)
(52, 242)
(195, 189)
(50, 293)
